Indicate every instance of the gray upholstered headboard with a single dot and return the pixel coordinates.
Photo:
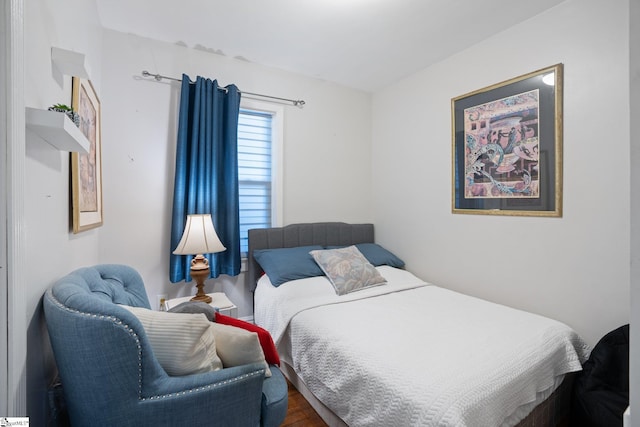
(317, 233)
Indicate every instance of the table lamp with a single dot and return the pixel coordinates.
(199, 238)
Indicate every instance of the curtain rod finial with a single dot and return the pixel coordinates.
(145, 73)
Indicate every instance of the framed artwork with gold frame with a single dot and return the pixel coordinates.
(86, 169)
(507, 147)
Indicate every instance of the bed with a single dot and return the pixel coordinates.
(403, 351)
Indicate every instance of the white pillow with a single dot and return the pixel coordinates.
(183, 343)
(237, 346)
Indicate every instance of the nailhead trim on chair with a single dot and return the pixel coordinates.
(127, 328)
(206, 387)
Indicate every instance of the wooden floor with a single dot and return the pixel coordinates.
(300, 413)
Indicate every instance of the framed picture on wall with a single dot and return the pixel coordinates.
(507, 147)
(86, 169)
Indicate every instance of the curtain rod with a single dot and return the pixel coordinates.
(296, 102)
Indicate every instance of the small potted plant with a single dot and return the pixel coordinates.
(62, 108)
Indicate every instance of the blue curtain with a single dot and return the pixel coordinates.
(206, 176)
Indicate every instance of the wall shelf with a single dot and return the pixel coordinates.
(57, 129)
(69, 63)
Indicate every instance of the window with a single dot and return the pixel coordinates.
(258, 149)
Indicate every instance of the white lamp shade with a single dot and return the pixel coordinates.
(199, 237)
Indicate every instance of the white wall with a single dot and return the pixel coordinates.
(327, 152)
(575, 268)
(51, 249)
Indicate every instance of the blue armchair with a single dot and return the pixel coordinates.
(110, 376)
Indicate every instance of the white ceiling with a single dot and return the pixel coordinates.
(363, 44)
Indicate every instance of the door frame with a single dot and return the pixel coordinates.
(13, 320)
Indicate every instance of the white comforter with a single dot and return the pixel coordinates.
(412, 354)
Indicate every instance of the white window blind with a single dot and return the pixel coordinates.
(254, 172)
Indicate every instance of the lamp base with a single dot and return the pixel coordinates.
(199, 275)
(202, 298)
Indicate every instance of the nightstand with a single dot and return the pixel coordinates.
(218, 300)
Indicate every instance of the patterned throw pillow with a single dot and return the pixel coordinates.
(347, 269)
(376, 254)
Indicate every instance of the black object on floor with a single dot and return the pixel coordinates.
(601, 391)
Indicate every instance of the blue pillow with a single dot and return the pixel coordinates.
(377, 255)
(285, 264)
